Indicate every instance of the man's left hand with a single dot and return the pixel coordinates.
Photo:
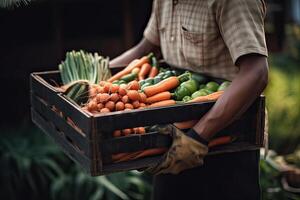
(184, 153)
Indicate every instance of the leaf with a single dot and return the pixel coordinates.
(110, 186)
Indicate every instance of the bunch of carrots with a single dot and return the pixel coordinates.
(107, 97)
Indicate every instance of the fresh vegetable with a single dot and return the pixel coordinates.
(120, 106)
(143, 97)
(211, 97)
(166, 85)
(150, 152)
(191, 85)
(199, 78)
(144, 71)
(199, 93)
(133, 95)
(186, 124)
(181, 92)
(159, 97)
(110, 105)
(154, 70)
(186, 98)
(213, 86)
(163, 103)
(128, 77)
(224, 85)
(134, 64)
(220, 141)
(133, 85)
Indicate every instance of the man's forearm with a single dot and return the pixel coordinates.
(245, 88)
(144, 47)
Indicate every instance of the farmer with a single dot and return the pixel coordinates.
(220, 38)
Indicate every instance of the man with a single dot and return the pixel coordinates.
(220, 38)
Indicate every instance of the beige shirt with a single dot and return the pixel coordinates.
(207, 36)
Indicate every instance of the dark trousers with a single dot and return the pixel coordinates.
(231, 176)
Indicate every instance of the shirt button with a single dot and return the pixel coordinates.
(175, 2)
(172, 38)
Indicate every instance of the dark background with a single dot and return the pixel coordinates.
(35, 38)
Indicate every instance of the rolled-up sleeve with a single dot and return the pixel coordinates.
(151, 32)
(241, 24)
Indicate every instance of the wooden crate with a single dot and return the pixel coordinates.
(87, 139)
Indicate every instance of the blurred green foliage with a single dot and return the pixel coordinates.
(283, 96)
(33, 167)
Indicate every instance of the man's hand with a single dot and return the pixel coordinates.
(187, 151)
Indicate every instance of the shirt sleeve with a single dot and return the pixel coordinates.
(151, 32)
(241, 24)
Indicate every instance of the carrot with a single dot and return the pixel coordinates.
(118, 156)
(162, 103)
(126, 131)
(220, 141)
(133, 85)
(128, 106)
(141, 130)
(120, 106)
(159, 97)
(125, 99)
(154, 71)
(114, 97)
(136, 104)
(129, 156)
(135, 70)
(104, 110)
(145, 69)
(150, 152)
(117, 133)
(186, 124)
(103, 97)
(162, 86)
(122, 91)
(110, 105)
(142, 105)
(137, 63)
(92, 106)
(114, 88)
(211, 97)
(133, 95)
(100, 106)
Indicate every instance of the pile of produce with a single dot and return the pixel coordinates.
(81, 69)
(142, 84)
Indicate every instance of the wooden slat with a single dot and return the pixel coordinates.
(143, 117)
(60, 123)
(48, 93)
(134, 143)
(61, 141)
(146, 162)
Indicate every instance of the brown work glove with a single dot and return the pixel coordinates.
(187, 151)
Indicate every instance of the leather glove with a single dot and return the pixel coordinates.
(187, 151)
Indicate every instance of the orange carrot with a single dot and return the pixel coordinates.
(133, 85)
(144, 71)
(220, 141)
(129, 156)
(162, 103)
(150, 152)
(133, 95)
(154, 71)
(186, 124)
(118, 156)
(162, 86)
(159, 97)
(117, 133)
(137, 63)
(211, 97)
